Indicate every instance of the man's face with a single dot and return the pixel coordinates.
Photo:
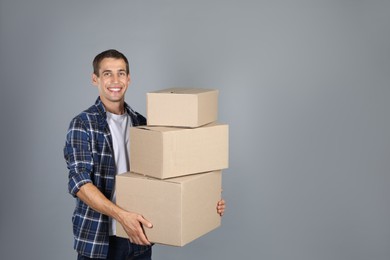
(112, 81)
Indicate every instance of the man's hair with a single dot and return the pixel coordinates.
(108, 54)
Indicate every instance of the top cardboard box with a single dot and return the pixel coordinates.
(182, 107)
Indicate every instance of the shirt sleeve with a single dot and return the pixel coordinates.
(78, 156)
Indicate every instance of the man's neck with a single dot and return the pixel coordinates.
(117, 108)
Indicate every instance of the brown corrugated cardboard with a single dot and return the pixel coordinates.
(182, 107)
(180, 209)
(166, 152)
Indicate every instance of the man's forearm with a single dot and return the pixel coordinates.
(94, 198)
(131, 222)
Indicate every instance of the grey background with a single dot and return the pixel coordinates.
(304, 86)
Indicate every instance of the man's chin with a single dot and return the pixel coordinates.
(114, 99)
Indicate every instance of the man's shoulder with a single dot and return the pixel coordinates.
(136, 118)
(89, 117)
(88, 114)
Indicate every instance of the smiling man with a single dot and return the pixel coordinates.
(112, 77)
(96, 149)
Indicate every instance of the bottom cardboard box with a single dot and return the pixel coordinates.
(181, 209)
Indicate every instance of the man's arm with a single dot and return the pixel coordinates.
(130, 221)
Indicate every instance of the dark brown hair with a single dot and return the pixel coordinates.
(108, 54)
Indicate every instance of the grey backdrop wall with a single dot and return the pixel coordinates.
(304, 86)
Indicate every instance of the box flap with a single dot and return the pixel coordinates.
(171, 128)
(157, 128)
(178, 180)
(179, 90)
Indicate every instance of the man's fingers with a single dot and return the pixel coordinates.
(144, 240)
(135, 228)
(144, 222)
(139, 238)
(221, 204)
(221, 207)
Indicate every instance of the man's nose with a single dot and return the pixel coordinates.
(115, 78)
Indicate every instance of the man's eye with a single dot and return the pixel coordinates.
(106, 74)
(122, 74)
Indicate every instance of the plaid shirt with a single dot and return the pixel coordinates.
(89, 157)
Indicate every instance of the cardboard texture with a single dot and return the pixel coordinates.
(182, 107)
(181, 209)
(166, 152)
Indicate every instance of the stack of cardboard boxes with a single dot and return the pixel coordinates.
(176, 164)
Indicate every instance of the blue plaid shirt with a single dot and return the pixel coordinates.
(89, 157)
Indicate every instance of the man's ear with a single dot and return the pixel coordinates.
(94, 79)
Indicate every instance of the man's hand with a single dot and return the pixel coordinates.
(221, 207)
(133, 224)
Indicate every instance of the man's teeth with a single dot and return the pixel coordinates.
(115, 89)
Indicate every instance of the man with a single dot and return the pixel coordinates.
(95, 151)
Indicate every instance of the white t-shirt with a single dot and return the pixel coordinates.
(119, 127)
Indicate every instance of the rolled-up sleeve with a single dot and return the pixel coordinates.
(78, 156)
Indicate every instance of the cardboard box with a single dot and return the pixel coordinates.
(166, 152)
(181, 209)
(182, 107)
